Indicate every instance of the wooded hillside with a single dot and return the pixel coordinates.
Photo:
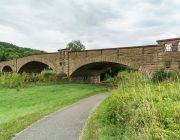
(9, 51)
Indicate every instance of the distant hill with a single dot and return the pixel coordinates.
(9, 51)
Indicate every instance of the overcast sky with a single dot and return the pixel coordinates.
(50, 24)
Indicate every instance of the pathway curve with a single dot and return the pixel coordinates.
(65, 124)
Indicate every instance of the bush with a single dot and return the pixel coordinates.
(123, 76)
(12, 80)
(114, 70)
(160, 75)
(33, 77)
(48, 76)
(16, 80)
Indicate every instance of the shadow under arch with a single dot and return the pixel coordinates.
(7, 69)
(34, 67)
(91, 73)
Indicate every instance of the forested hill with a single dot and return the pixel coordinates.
(9, 51)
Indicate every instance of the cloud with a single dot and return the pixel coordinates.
(50, 24)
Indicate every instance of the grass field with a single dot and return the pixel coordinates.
(21, 107)
(138, 110)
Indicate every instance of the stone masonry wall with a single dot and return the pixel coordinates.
(145, 58)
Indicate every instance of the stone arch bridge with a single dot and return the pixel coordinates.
(89, 64)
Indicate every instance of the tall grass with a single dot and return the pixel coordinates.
(48, 76)
(16, 80)
(12, 80)
(138, 110)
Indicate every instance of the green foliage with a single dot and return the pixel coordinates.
(75, 45)
(112, 80)
(122, 77)
(111, 74)
(48, 76)
(138, 110)
(16, 80)
(113, 71)
(160, 75)
(3, 57)
(10, 51)
(12, 80)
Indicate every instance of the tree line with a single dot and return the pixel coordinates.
(10, 51)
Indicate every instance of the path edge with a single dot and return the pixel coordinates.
(90, 115)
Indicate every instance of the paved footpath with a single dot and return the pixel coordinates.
(65, 124)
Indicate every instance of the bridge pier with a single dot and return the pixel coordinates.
(94, 79)
(62, 77)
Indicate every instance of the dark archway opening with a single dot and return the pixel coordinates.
(113, 71)
(7, 69)
(34, 67)
(96, 72)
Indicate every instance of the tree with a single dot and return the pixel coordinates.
(75, 45)
(3, 57)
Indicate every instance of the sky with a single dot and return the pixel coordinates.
(50, 24)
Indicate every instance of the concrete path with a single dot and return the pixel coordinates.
(65, 124)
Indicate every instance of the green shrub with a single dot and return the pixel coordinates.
(124, 76)
(109, 79)
(160, 75)
(12, 80)
(114, 70)
(48, 76)
(16, 80)
(33, 77)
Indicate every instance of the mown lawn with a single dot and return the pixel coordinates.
(138, 110)
(21, 107)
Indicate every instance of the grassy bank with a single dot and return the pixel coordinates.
(21, 107)
(138, 110)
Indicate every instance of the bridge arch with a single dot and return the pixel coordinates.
(109, 61)
(44, 60)
(34, 67)
(89, 70)
(7, 69)
(94, 67)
